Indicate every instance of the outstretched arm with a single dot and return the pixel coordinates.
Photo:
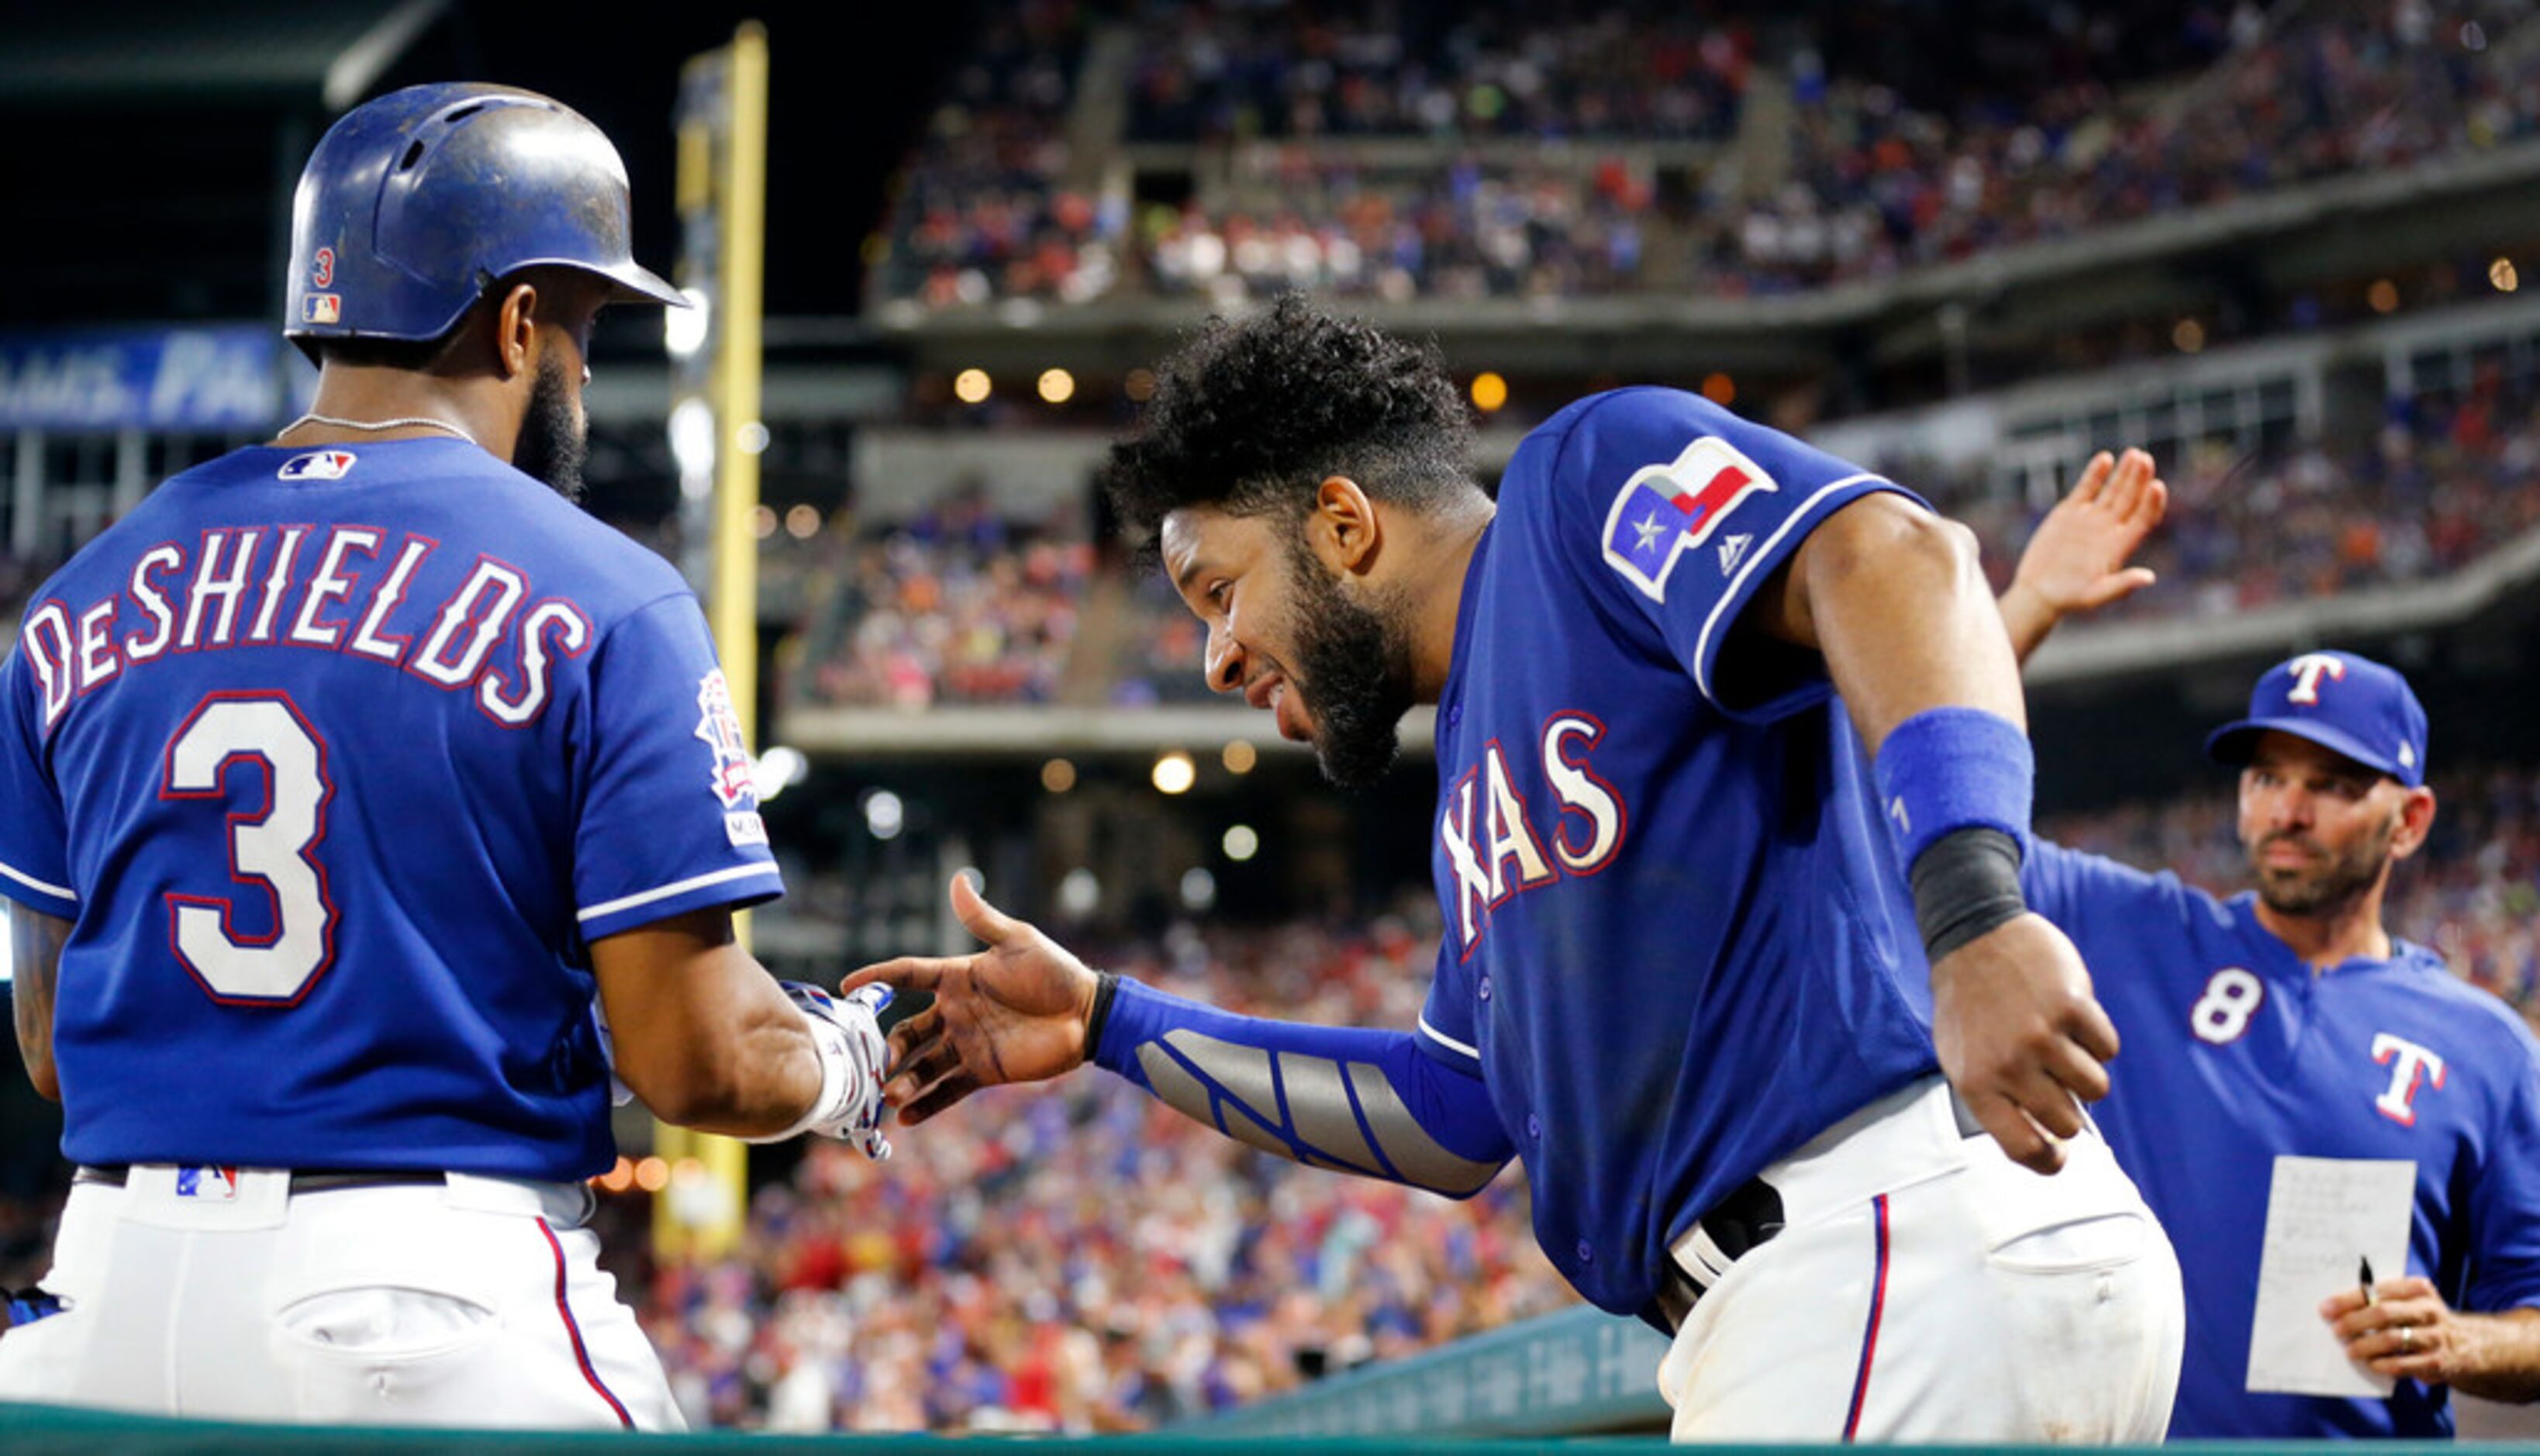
(2075, 559)
(1023, 1010)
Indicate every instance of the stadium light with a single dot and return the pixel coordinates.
(2501, 273)
(778, 769)
(1199, 890)
(2382, 295)
(763, 522)
(884, 814)
(1719, 389)
(1240, 757)
(683, 330)
(2189, 336)
(1242, 843)
(1489, 391)
(1175, 773)
(1078, 892)
(652, 1174)
(693, 446)
(1057, 386)
(802, 521)
(1139, 385)
(1058, 776)
(971, 385)
(751, 437)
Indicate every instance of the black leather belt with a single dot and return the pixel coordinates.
(302, 1180)
(1749, 1217)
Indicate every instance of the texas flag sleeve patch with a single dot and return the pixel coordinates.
(1665, 511)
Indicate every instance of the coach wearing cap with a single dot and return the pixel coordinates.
(2285, 1021)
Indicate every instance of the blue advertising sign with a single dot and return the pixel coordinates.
(212, 378)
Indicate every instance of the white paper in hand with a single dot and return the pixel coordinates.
(2323, 1216)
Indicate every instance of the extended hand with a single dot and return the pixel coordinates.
(2021, 1038)
(1012, 1012)
(2075, 560)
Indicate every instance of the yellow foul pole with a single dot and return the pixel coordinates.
(701, 1215)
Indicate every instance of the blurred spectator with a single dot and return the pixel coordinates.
(1080, 1258)
(958, 605)
(1878, 185)
(1215, 69)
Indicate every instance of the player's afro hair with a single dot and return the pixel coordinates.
(1251, 415)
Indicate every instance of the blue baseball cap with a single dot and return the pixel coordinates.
(2344, 703)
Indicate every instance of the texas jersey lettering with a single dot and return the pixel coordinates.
(1620, 800)
(310, 764)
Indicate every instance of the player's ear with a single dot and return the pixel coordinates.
(518, 310)
(1342, 528)
(2415, 821)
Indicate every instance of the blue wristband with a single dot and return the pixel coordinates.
(1947, 768)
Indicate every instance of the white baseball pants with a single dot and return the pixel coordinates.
(221, 1294)
(1927, 1289)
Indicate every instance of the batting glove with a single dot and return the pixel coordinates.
(847, 1034)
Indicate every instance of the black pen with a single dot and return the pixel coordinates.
(2363, 1273)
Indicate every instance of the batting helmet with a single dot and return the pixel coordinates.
(414, 203)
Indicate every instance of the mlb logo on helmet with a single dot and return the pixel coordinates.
(1665, 511)
(213, 1185)
(318, 464)
(320, 308)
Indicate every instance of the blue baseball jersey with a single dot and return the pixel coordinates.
(337, 760)
(1677, 945)
(2236, 1053)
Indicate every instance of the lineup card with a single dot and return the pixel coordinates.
(2323, 1216)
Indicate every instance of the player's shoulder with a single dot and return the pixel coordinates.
(493, 507)
(2421, 971)
(1594, 434)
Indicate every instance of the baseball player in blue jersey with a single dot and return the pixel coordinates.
(2286, 1022)
(340, 777)
(1681, 976)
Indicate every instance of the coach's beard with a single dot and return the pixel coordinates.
(2326, 887)
(553, 441)
(1355, 672)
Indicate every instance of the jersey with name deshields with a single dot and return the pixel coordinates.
(338, 758)
(1678, 944)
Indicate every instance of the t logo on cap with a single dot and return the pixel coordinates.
(2372, 718)
(2307, 669)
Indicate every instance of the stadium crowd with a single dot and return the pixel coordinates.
(2438, 485)
(1874, 180)
(1213, 70)
(1878, 184)
(958, 606)
(1082, 1257)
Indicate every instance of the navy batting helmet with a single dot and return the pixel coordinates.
(414, 203)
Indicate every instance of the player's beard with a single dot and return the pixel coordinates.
(2327, 885)
(553, 438)
(1354, 668)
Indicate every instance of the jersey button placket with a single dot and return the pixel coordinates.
(1533, 1127)
(1586, 1255)
(1483, 991)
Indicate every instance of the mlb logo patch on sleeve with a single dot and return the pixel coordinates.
(733, 777)
(1665, 511)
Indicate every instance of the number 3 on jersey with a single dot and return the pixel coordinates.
(269, 848)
